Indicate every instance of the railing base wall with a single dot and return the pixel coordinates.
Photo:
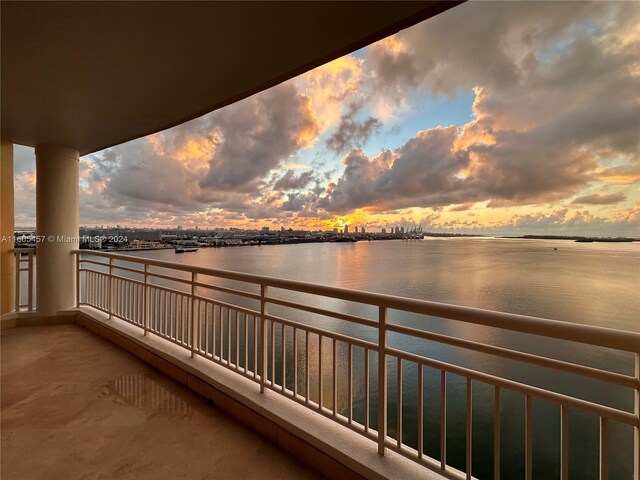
(33, 318)
(333, 451)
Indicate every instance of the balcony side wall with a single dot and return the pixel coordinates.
(7, 266)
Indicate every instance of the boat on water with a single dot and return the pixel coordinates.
(185, 249)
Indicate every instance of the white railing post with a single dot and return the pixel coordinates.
(192, 313)
(636, 433)
(30, 280)
(110, 290)
(496, 433)
(77, 280)
(528, 442)
(146, 300)
(263, 313)
(564, 442)
(443, 419)
(382, 378)
(16, 257)
(604, 448)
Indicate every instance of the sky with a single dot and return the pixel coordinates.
(491, 118)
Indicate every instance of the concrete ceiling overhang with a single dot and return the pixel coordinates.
(91, 75)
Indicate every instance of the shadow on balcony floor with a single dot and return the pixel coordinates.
(76, 406)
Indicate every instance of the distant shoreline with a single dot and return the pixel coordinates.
(253, 241)
(578, 239)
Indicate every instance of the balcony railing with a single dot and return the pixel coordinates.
(24, 279)
(389, 367)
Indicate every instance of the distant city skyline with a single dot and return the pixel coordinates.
(492, 118)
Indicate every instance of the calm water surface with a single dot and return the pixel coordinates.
(589, 283)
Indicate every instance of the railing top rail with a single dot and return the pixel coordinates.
(24, 250)
(589, 334)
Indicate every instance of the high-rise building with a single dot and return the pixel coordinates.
(384, 230)
(265, 229)
(346, 229)
(356, 229)
(363, 231)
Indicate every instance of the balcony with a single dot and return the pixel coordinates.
(89, 407)
(372, 385)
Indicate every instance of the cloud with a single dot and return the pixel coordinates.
(351, 133)
(24, 185)
(24, 159)
(295, 202)
(289, 181)
(540, 221)
(295, 166)
(431, 170)
(423, 172)
(574, 65)
(257, 134)
(600, 199)
(457, 49)
(579, 223)
(538, 165)
(24, 192)
(555, 94)
(157, 180)
(330, 86)
(622, 174)
(145, 177)
(461, 208)
(219, 161)
(625, 222)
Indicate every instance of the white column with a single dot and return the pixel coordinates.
(7, 274)
(57, 187)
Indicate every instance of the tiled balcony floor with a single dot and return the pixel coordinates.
(75, 406)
